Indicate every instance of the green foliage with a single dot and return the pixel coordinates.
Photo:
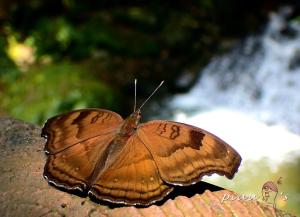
(168, 36)
(297, 19)
(48, 90)
(6, 64)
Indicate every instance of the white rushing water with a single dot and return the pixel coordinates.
(250, 96)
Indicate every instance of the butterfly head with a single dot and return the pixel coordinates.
(130, 124)
(135, 117)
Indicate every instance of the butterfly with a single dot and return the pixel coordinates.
(100, 154)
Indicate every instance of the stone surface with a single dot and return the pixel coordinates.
(24, 191)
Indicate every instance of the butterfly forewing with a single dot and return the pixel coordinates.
(131, 178)
(183, 153)
(69, 129)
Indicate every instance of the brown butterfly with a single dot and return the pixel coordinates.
(97, 152)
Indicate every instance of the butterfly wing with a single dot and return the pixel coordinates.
(76, 141)
(65, 130)
(131, 178)
(73, 168)
(184, 153)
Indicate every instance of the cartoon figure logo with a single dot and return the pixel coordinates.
(268, 188)
(269, 191)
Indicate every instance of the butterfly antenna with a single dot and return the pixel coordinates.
(161, 83)
(134, 108)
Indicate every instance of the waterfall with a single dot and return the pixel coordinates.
(250, 96)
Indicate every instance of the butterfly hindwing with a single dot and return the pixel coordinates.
(184, 153)
(131, 178)
(73, 167)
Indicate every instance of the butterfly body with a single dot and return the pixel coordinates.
(123, 133)
(98, 153)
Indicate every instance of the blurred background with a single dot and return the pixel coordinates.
(231, 67)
